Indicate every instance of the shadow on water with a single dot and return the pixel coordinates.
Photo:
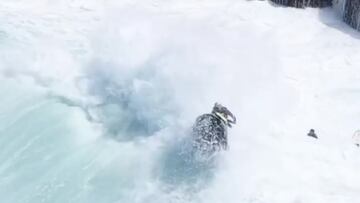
(183, 168)
(128, 103)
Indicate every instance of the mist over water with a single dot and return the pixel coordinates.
(115, 118)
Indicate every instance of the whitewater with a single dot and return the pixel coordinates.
(97, 97)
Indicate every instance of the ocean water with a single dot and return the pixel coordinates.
(97, 100)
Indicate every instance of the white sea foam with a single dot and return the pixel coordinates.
(97, 100)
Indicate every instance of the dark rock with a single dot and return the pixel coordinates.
(312, 134)
(304, 3)
(351, 13)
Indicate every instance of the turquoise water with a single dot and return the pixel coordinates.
(50, 152)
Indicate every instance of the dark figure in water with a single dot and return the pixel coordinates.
(210, 130)
(312, 134)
